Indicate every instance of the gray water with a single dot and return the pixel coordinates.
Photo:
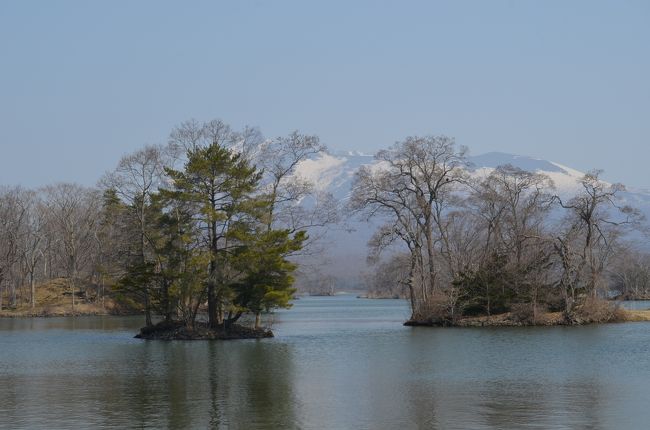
(636, 305)
(336, 363)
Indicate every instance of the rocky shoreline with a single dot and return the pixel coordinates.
(545, 319)
(176, 330)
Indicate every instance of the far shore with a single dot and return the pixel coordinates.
(65, 311)
(545, 319)
(499, 320)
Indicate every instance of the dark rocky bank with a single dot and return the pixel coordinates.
(176, 330)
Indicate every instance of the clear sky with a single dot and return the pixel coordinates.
(83, 82)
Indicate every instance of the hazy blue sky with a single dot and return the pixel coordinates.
(83, 82)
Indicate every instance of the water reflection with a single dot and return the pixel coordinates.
(321, 373)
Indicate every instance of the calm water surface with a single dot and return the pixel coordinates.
(336, 363)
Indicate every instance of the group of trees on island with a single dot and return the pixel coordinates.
(214, 223)
(497, 242)
(209, 220)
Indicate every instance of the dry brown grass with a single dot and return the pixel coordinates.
(597, 310)
(434, 312)
(509, 319)
(604, 313)
(633, 316)
(53, 299)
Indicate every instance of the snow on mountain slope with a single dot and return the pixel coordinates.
(334, 173)
(326, 172)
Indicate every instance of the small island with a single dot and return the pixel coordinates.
(499, 247)
(177, 330)
(212, 247)
(197, 236)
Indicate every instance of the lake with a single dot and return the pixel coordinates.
(336, 363)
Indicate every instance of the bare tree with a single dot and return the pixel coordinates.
(412, 186)
(33, 240)
(74, 212)
(294, 202)
(594, 222)
(630, 274)
(389, 277)
(135, 179)
(12, 218)
(279, 159)
(510, 210)
(192, 134)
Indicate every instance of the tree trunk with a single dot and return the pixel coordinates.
(212, 306)
(22, 286)
(430, 259)
(487, 291)
(147, 309)
(12, 299)
(215, 314)
(258, 320)
(166, 302)
(231, 320)
(143, 238)
(411, 281)
(103, 292)
(32, 289)
(73, 292)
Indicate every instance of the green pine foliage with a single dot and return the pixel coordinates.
(211, 242)
(266, 274)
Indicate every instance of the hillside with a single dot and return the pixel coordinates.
(54, 298)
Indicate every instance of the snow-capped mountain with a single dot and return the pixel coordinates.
(334, 173)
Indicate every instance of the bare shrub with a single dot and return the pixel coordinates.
(523, 313)
(597, 310)
(437, 310)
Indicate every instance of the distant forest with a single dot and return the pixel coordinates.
(216, 224)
